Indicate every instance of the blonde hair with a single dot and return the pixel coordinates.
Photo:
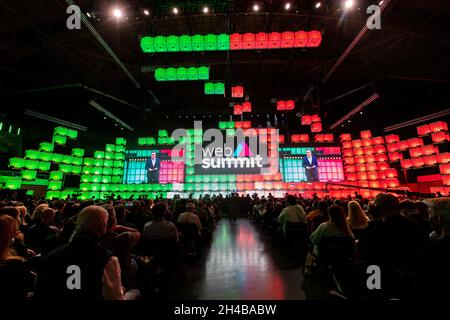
(8, 231)
(356, 219)
(89, 220)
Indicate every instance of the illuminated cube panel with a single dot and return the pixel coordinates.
(171, 172)
(292, 170)
(331, 170)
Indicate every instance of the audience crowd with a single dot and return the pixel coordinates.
(120, 249)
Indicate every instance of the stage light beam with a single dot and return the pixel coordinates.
(287, 6)
(117, 13)
(256, 7)
(146, 12)
(205, 10)
(348, 4)
(175, 10)
(318, 5)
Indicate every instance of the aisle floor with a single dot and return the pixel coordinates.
(242, 264)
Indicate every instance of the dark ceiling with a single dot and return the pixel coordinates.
(405, 62)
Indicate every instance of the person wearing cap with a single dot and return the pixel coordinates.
(433, 276)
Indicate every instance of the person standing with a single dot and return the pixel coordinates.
(152, 167)
(311, 165)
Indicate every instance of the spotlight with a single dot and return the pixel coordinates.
(318, 4)
(287, 6)
(175, 10)
(348, 4)
(381, 2)
(117, 13)
(146, 12)
(88, 14)
(256, 7)
(205, 10)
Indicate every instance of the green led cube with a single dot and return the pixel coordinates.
(110, 148)
(151, 141)
(192, 73)
(105, 188)
(106, 179)
(32, 154)
(57, 158)
(211, 42)
(77, 161)
(53, 195)
(171, 74)
(209, 88)
(76, 169)
(181, 74)
(44, 166)
(189, 179)
(223, 41)
(88, 162)
(67, 159)
(219, 88)
(97, 171)
(160, 74)
(46, 146)
(172, 44)
(62, 131)
(73, 134)
(30, 193)
(107, 171)
(95, 186)
(109, 155)
(142, 141)
(99, 154)
(94, 195)
(118, 164)
(116, 179)
(223, 178)
(109, 163)
(96, 179)
(77, 152)
(223, 124)
(190, 171)
(59, 140)
(120, 149)
(203, 73)
(88, 170)
(230, 132)
(163, 133)
(162, 140)
(65, 168)
(84, 196)
(85, 187)
(56, 175)
(13, 183)
(147, 44)
(198, 43)
(185, 43)
(17, 163)
(114, 187)
(98, 162)
(120, 142)
(189, 187)
(29, 174)
(160, 43)
(54, 185)
(85, 178)
(231, 125)
(117, 171)
(139, 187)
(119, 156)
(45, 156)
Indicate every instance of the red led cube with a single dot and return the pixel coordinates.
(304, 138)
(235, 41)
(423, 130)
(358, 151)
(390, 173)
(281, 138)
(418, 162)
(274, 40)
(402, 145)
(352, 177)
(395, 156)
(237, 92)
(406, 164)
(416, 152)
(350, 169)
(349, 161)
(315, 118)
(238, 109)
(301, 39)
(287, 39)
(415, 142)
(305, 120)
(367, 134)
(261, 40)
(361, 168)
(444, 158)
(371, 167)
(438, 126)
(379, 149)
(392, 147)
(246, 107)
(370, 158)
(392, 138)
(357, 143)
(438, 137)
(290, 104)
(444, 168)
(316, 127)
(381, 158)
(367, 142)
(382, 166)
(446, 180)
(362, 176)
(372, 176)
(281, 105)
(319, 138)
(346, 137)
(392, 183)
(360, 160)
(378, 141)
(347, 145)
(314, 38)
(248, 41)
(430, 160)
(368, 150)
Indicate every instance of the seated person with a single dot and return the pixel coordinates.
(41, 237)
(99, 268)
(292, 213)
(190, 217)
(316, 217)
(357, 219)
(159, 228)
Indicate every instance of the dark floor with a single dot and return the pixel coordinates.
(242, 263)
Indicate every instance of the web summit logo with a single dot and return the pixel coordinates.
(242, 151)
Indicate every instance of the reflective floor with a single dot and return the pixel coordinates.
(241, 263)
